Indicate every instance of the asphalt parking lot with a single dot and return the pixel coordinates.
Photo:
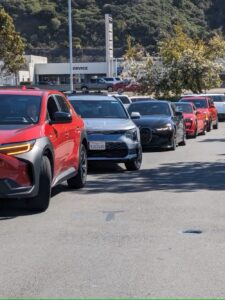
(123, 234)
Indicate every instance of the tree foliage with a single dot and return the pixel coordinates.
(44, 23)
(11, 44)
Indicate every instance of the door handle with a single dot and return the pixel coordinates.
(67, 135)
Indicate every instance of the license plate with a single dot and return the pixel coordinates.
(97, 146)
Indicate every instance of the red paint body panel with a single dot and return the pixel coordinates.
(14, 169)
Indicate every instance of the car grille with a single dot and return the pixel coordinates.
(113, 150)
(146, 135)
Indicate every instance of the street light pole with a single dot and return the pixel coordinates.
(70, 44)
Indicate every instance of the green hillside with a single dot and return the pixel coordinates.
(43, 23)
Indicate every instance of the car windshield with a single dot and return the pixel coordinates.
(199, 103)
(19, 109)
(151, 108)
(97, 109)
(185, 108)
(218, 98)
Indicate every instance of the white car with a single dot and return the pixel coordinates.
(125, 99)
(219, 102)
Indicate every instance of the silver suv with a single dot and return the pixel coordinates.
(111, 134)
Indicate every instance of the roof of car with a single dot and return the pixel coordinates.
(212, 94)
(17, 91)
(193, 98)
(91, 97)
(147, 101)
(138, 97)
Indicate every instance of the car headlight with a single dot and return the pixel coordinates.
(206, 116)
(165, 128)
(132, 134)
(17, 148)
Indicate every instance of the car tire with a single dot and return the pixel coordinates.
(216, 125)
(134, 164)
(174, 143)
(41, 201)
(204, 130)
(183, 143)
(209, 126)
(79, 180)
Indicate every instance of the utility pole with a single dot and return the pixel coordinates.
(70, 43)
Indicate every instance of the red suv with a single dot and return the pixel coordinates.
(42, 143)
(205, 105)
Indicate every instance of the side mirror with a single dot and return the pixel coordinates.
(60, 117)
(135, 115)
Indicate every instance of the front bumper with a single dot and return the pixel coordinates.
(118, 148)
(19, 174)
(151, 138)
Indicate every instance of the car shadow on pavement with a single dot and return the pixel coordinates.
(212, 140)
(13, 208)
(175, 177)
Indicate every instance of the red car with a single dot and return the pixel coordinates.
(122, 86)
(205, 105)
(194, 120)
(42, 143)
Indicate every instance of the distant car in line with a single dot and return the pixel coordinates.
(194, 120)
(104, 83)
(125, 99)
(205, 105)
(160, 125)
(219, 101)
(111, 134)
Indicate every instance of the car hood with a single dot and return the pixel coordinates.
(153, 121)
(108, 124)
(18, 133)
(188, 116)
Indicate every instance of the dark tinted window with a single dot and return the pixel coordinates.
(124, 99)
(19, 109)
(62, 103)
(151, 108)
(99, 109)
(218, 98)
(199, 103)
(185, 108)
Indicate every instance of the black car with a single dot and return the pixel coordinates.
(160, 125)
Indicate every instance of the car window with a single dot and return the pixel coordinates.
(150, 108)
(19, 109)
(185, 108)
(199, 103)
(124, 99)
(51, 108)
(218, 98)
(99, 109)
(62, 103)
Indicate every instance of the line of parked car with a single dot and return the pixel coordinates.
(47, 138)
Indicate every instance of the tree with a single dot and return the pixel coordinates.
(191, 64)
(11, 45)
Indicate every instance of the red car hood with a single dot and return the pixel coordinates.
(19, 133)
(188, 116)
